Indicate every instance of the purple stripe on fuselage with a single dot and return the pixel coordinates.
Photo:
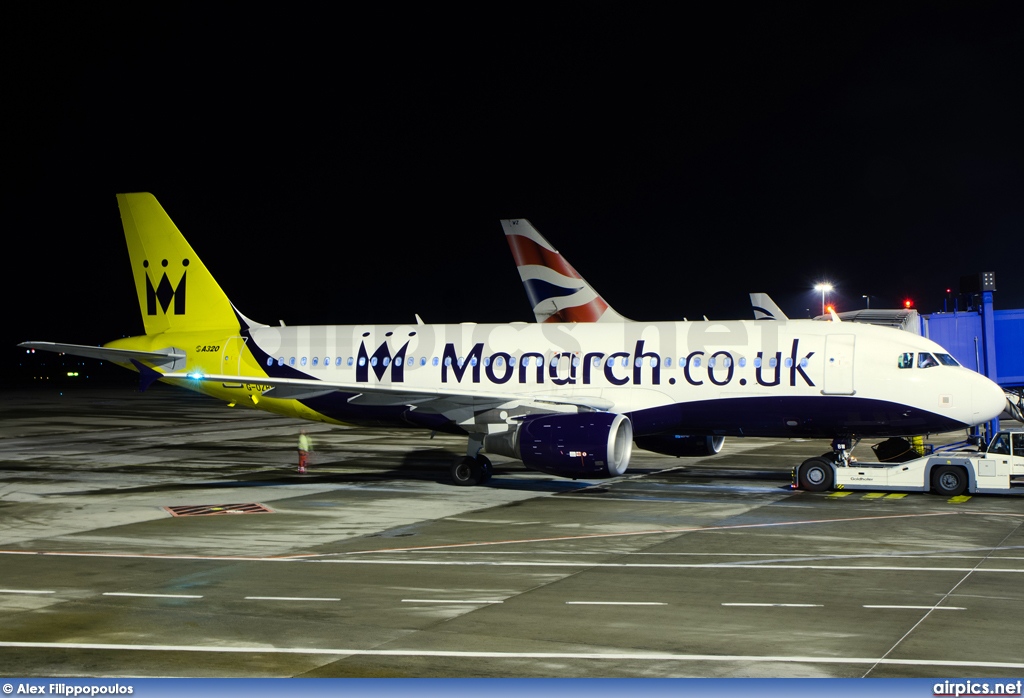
(807, 417)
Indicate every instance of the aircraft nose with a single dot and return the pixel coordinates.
(988, 400)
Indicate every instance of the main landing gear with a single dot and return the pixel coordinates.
(472, 471)
(475, 468)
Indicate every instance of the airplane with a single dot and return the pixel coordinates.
(565, 398)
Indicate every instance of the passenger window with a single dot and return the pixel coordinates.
(926, 360)
(1018, 444)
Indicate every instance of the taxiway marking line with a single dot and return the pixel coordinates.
(289, 598)
(657, 565)
(479, 602)
(615, 603)
(157, 556)
(152, 596)
(24, 591)
(649, 656)
(777, 605)
(923, 608)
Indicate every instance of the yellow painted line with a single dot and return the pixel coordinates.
(895, 496)
(873, 495)
(836, 495)
(959, 500)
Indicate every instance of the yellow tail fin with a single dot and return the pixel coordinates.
(176, 292)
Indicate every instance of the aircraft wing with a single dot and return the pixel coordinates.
(121, 356)
(451, 402)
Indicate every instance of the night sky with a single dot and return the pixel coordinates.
(339, 166)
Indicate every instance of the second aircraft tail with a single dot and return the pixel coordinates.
(557, 292)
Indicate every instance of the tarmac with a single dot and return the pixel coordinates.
(165, 534)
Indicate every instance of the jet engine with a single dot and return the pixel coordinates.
(587, 444)
(681, 444)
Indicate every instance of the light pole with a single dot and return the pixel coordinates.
(867, 299)
(824, 288)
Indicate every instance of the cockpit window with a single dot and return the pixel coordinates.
(947, 360)
(926, 360)
(906, 360)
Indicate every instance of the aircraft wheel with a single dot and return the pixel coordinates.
(949, 480)
(486, 468)
(815, 475)
(466, 472)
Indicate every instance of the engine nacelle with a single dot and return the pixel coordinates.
(681, 444)
(587, 444)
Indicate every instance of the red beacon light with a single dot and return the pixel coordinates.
(908, 303)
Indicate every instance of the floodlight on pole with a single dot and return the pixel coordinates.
(824, 288)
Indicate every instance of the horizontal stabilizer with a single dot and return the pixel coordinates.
(147, 376)
(119, 356)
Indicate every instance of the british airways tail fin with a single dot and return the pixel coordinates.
(176, 291)
(557, 292)
(765, 308)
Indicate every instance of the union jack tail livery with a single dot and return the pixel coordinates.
(556, 290)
